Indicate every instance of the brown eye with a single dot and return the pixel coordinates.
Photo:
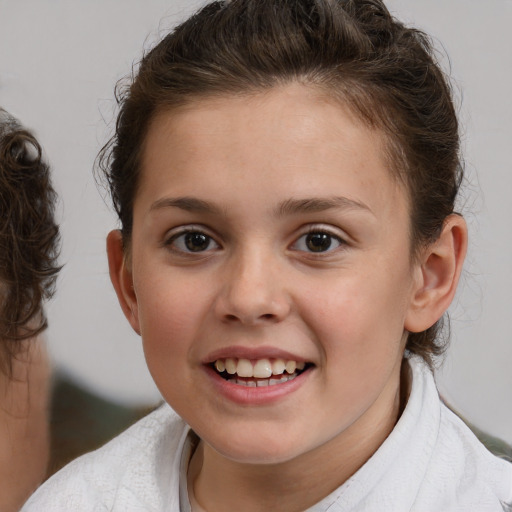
(317, 242)
(196, 242)
(191, 241)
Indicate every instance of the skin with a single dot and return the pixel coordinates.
(249, 163)
(24, 434)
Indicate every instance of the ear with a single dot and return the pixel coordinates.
(121, 277)
(438, 272)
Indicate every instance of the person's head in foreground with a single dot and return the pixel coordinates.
(28, 252)
(285, 175)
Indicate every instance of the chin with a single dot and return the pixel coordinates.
(257, 450)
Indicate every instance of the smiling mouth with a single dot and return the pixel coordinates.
(259, 373)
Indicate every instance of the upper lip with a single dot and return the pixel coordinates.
(251, 353)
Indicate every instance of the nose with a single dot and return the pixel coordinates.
(253, 290)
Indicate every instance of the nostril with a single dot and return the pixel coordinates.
(245, 319)
(250, 308)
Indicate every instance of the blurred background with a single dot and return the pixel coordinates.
(59, 62)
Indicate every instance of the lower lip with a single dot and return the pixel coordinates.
(262, 395)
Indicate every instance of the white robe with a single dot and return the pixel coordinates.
(431, 462)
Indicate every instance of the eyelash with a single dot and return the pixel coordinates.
(171, 241)
(325, 233)
(326, 237)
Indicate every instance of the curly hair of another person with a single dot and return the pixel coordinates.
(29, 239)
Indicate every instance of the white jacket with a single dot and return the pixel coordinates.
(431, 462)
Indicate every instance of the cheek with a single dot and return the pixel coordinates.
(171, 313)
(166, 328)
(360, 314)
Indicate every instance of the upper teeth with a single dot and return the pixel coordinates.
(260, 368)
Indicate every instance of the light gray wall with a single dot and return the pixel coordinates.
(59, 60)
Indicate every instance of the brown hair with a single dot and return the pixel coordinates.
(352, 49)
(28, 238)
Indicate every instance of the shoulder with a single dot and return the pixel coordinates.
(462, 473)
(131, 472)
(475, 473)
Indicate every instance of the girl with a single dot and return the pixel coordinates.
(285, 175)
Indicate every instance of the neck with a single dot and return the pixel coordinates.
(220, 483)
(24, 436)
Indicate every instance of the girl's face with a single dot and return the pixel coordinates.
(269, 237)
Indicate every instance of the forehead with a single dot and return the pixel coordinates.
(290, 110)
(295, 133)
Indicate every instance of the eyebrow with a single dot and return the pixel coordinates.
(189, 204)
(288, 207)
(320, 204)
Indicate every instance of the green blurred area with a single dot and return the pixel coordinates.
(493, 444)
(81, 421)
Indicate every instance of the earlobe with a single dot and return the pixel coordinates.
(438, 274)
(121, 277)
